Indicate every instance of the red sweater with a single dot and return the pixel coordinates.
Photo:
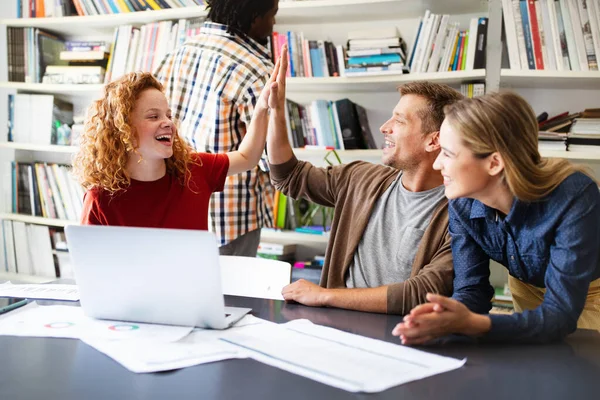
(164, 203)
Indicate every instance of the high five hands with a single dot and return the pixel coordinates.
(273, 95)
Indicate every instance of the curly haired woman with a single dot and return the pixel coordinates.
(139, 172)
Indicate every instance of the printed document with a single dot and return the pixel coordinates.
(336, 358)
(48, 291)
(200, 347)
(70, 322)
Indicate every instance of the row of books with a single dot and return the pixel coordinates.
(45, 190)
(143, 48)
(36, 56)
(52, 122)
(29, 51)
(441, 45)
(339, 124)
(309, 58)
(472, 89)
(65, 8)
(27, 249)
(559, 35)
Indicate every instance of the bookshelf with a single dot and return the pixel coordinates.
(330, 84)
(28, 219)
(38, 147)
(311, 153)
(572, 80)
(322, 18)
(295, 12)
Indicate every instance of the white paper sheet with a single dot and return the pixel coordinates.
(70, 322)
(343, 360)
(48, 291)
(200, 347)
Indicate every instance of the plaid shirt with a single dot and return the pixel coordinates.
(212, 84)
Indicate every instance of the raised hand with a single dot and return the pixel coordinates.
(273, 95)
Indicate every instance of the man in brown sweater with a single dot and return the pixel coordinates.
(389, 244)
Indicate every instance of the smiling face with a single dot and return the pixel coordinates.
(465, 174)
(151, 122)
(404, 139)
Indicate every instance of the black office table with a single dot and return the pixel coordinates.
(40, 368)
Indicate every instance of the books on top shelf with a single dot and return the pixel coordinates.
(64, 8)
(309, 58)
(441, 45)
(143, 48)
(339, 124)
(556, 35)
(29, 51)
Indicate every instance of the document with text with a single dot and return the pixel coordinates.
(49, 291)
(351, 362)
(200, 347)
(70, 322)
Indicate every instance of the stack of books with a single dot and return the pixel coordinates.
(86, 64)
(277, 251)
(553, 141)
(375, 52)
(585, 132)
(559, 123)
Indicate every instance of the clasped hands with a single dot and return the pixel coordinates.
(442, 316)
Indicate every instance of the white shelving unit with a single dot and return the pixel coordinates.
(330, 84)
(28, 219)
(376, 93)
(38, 147)
(550, 79)
(298, 12)
(311, 153)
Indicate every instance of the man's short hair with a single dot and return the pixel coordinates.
(437, 95)
(238, 15)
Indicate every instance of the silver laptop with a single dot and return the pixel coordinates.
(161, 276)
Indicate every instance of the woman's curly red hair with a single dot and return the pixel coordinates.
(109, 140)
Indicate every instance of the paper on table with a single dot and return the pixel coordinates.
(48, 291)
(70, 322)
(200, 347)
(346, 361)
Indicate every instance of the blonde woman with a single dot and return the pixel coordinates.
(538, 217)
(139, 172)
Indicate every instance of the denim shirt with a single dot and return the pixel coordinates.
(552, 243)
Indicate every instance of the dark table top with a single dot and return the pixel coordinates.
(45, 368)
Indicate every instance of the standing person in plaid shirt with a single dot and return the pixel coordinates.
(212, 84)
